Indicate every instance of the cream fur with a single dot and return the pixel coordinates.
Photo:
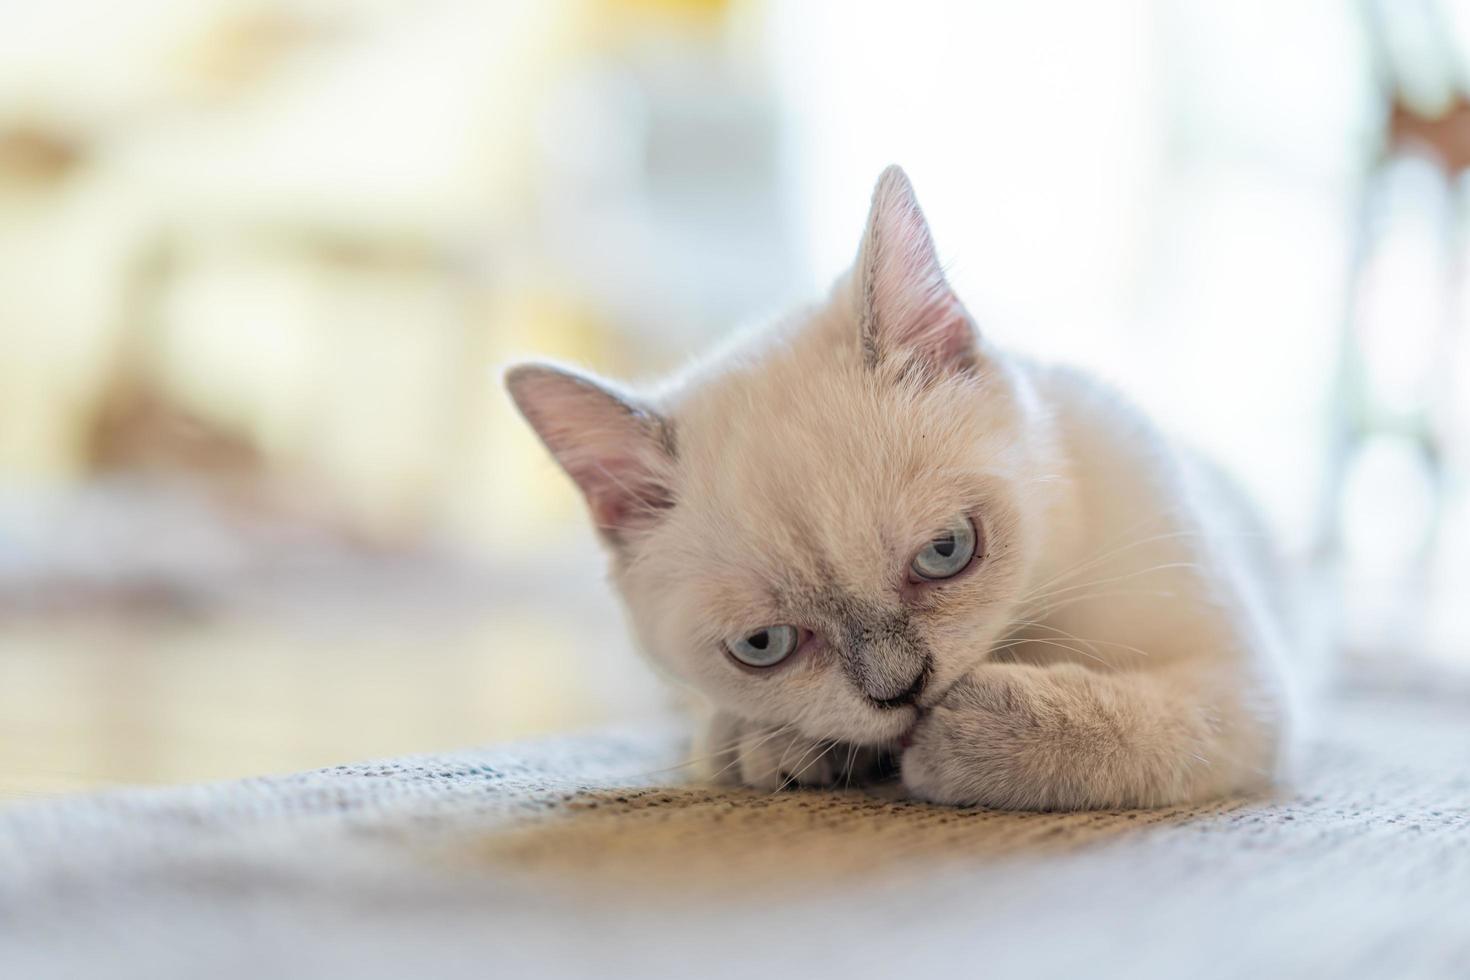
(1117, 644)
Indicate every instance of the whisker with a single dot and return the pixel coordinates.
(1066, 646)
(1053, 606)
(784, 783)
(1115, 549)
(1087, 642)
(822, 751)
(728, 746)
(1056, 629)
(1115, 578)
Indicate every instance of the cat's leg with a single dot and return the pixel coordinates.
(743, 753)
(1019, 736)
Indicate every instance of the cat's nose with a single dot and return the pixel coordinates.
(908, 695)
(885, 658)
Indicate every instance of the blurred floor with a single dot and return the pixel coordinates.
(98, 699)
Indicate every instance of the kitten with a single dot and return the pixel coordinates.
(869, 533)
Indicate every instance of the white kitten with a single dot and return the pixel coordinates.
(868, 532)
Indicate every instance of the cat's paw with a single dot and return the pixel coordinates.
(983, 744)
(770, 761)
(939, 757)
(767, 758)
(1060, 738)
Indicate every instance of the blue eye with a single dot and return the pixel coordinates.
(766, 647)
(948, 553)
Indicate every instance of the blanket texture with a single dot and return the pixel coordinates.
(594, 856)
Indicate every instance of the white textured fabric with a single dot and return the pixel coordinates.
(574, 857)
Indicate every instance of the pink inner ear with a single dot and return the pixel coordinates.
(908, 303)
(608, 446)
(942, 330)
(621, 497)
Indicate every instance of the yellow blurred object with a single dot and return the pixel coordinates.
(711, 9)
(513, 491)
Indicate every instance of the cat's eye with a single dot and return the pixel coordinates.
(766, 647)
(948, 553)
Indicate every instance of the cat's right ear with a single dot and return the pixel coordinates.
(619, 453)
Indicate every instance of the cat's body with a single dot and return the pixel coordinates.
(865, 534)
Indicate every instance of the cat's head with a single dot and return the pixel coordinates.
(828, 523)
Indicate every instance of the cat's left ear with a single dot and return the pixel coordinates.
(907, 311)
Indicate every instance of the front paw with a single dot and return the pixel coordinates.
(984, 744)
(767, 758)
(1061, 738)
(772, 761)
(940, 758)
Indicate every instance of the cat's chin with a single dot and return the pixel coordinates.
(891, 727)
(879, 730)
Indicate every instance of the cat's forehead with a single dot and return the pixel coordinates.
(810, 418)
(792, 440)
(820, 472)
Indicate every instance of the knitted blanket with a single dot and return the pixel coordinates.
(593, 855)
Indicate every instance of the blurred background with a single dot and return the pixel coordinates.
(263, 505)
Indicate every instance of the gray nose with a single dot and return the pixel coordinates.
(909, 694)
(887, 661)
